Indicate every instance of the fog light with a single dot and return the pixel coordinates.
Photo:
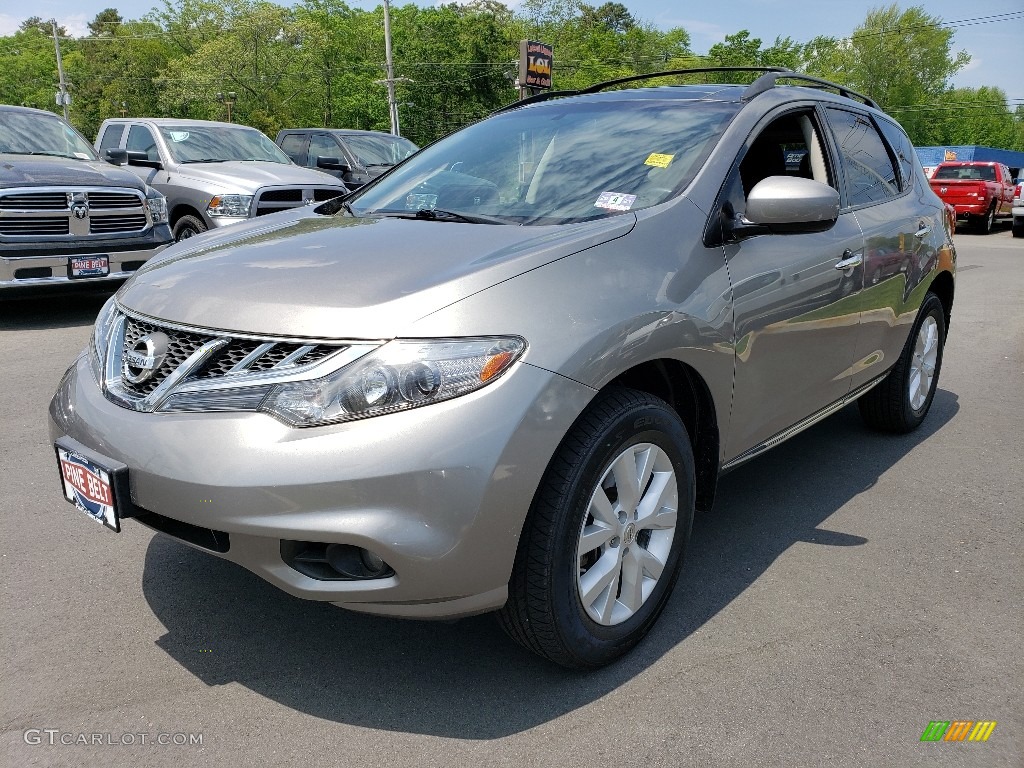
(374, 563)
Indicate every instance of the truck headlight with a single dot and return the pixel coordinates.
(399, 376)
(230, 205)
(157, 207)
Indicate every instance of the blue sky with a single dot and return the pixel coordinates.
(994, 44)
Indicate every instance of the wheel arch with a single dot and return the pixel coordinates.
(943, 287)
(683, 388)
(184, 209)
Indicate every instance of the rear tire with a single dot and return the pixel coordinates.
(604, 540)
(902, 400)
(188, 226)
(985, 223)
(1018, 229)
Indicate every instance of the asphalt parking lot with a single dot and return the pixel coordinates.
(848, 589)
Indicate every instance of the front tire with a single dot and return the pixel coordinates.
(900, 403)
(188, 226)
(604, 540)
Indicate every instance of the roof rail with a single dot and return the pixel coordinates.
(764, 83)
(768, 80)
(633, 78)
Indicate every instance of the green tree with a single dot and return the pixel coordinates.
(742, 50)
(902, 59)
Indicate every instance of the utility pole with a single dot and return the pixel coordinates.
(392, 105)
(63, 96)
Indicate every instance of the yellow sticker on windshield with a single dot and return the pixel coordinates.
(658, 161)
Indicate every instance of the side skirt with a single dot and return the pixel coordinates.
(800, 426)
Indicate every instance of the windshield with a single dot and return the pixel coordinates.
(379, 150)
(217, 143)
(556, 162)
(31, 133)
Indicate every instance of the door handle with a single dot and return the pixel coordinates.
(924, 230)
(850, 260)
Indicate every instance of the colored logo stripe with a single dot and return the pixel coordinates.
(958, 730)
(982, 731)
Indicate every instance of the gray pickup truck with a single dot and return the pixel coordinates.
(213, 174)
(65, 216)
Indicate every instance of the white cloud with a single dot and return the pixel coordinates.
(8, 24)
(77, 24)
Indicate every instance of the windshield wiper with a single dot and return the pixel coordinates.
(205, 160)
(437, 214)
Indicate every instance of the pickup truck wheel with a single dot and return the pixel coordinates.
(986, 222)
(1018, 229)
(188, 226)
(604, 539)
(901, 401)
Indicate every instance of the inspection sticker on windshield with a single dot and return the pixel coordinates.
(179, 135)
(614, 201)
(658, 161)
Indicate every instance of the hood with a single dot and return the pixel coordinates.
(304, 275)
(43, 171)
(246, 177)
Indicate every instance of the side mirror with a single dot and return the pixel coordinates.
(332, 164)
(786, 204)
(116, 156)
(136, 157)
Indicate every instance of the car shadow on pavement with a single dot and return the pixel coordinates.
(38, 309)
(466, 679)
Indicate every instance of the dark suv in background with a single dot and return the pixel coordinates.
(66, 216)
(355, 157)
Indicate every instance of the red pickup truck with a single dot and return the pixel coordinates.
(980, 192)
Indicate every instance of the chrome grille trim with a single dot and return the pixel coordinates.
(106, 211)
(195, 361)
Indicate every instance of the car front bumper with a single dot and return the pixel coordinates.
(439, 492)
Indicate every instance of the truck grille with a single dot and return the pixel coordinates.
(72, 212)
(99, 225)
(108, 200)
(274, 200)
(35, 201)
(33, 226)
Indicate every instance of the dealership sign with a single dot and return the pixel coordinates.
(534, 64)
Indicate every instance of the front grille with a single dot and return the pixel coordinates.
(282, 196)
(180, 346)
(33, 226)
(274, 200)
(237, 357)
(100, 225)
(108, 200)
(35, 201)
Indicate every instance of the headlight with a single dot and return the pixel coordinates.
(398, 376)
(101, 338)
(157, 207)
(230, 205)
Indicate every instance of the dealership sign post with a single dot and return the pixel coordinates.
(535, 61)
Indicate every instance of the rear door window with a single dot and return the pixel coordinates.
(111, 137)
(294, 145)
(871, 176)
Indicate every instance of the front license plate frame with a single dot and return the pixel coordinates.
(88, 266)
(94, 484)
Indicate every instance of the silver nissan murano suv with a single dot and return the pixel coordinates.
(504, 376)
